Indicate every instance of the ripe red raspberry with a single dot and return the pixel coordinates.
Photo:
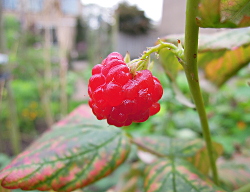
(118, 96)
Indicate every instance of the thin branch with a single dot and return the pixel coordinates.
(146, 148)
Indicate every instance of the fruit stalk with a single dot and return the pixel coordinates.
(191, 71)
(143, 60)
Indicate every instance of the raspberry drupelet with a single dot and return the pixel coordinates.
(120, 97)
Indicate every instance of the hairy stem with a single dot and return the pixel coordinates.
(191, 70)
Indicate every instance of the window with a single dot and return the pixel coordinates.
(69, 7)
(10, 4)
(35, 5)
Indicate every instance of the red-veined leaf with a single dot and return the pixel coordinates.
(177, 175)
(132, 179)
(171, 146)
(235, 172)
(76, 152)
(220, 55)
(223, 13)
(194, 150)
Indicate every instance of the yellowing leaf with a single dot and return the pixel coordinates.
(235, 172)
(201, 159)
(223, 13)
(221, 55)
(221, 69)
(76, 152)
(177, 175)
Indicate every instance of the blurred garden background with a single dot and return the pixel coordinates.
(48, 48)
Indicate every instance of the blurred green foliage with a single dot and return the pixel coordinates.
(27, 63)
(12, 29)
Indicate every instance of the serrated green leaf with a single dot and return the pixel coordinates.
(177, 175)
(194, 150)
(223, 13)
(226, 53)
(222, 54)
(170, 63)
(132, 179)
(236, 11)
(76, 152)
(225, 40)
(235, 172)
(222, 69)
(170, 146)
(221, 41)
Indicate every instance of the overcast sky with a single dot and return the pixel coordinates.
(152, 10)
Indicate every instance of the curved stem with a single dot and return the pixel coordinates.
(191, 70)
(141, 63)
(157, 48)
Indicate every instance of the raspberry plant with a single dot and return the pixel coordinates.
(79, 150)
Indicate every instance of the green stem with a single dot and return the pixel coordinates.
(245, 188)
(191, 70)
(141, 62)
(157, 49)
